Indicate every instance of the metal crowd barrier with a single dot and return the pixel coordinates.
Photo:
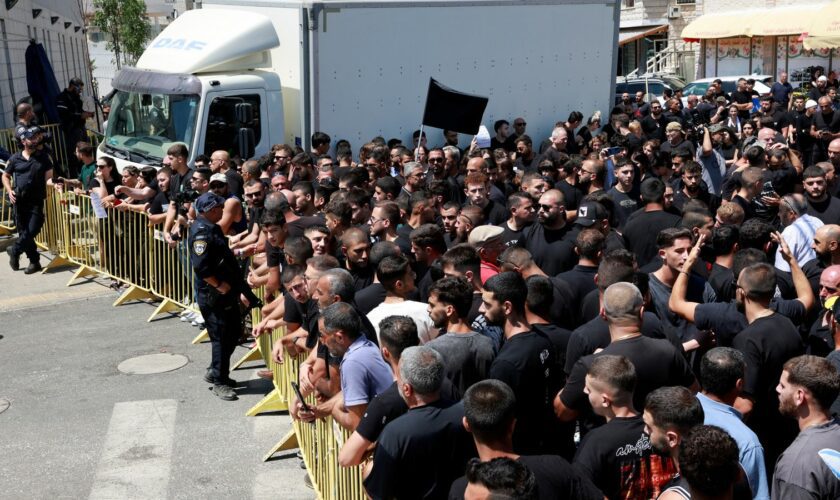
(124, 247)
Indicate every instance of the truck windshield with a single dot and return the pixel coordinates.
(141, 127)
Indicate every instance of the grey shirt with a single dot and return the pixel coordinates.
(801, 472)
(467, 357)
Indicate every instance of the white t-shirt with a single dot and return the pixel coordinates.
(417, 311)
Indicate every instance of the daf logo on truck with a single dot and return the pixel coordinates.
(179, 44)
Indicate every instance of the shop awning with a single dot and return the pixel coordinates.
(627, 35)
(819, 42)
(826, 22)
(780, 21)
(776, 21)
(718, 25)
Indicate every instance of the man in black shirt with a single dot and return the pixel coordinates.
(520, 206)
(767, 343)
(525, 363)
(654, 124)
(624, 195)
(643, 227)
(477, 187)
(692, 173)
(30, 169)
(551, 241)
(355, 246)
(742, 99)
(824, 129)
(420, 453)
(617, 456)
(526, 158)
(589, 246)
(489, 411)
(670, 414)
(820, 204)
(658, 363)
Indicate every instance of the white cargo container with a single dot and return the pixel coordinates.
(355, 70)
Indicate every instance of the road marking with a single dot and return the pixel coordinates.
(137, 452)
(51, 298)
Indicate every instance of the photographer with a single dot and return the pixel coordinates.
(30, 170)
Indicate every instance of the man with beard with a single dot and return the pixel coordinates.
(521, 208)
(692, 173)
(364, 373)
(384, 219)
(397, 276)
(551, 242)
(427, 246)
(623, 194)
(469, 218)
(355, 245)
(767, 342)
(832, 167)
(525, 362)
(820, 204)
(807, 388)
(592, 176)
(415, 179)
(824, 129)
(448, 214)
(654, 124)
(441, 163)
(466, 353)
(670, 414)
(820, 339)
(526, 159)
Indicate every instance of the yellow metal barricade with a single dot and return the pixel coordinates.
(125, 255)
(84, 241)
(7, 214)
(170, 273)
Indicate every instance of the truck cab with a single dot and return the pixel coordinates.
(203, 90)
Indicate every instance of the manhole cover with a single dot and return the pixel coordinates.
(152, 363)
(4, 405)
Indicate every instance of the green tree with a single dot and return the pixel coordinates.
(124, 21)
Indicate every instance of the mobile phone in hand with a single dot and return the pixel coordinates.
(303, 404)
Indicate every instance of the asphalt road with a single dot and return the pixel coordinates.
(76, 427)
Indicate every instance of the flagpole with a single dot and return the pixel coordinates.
(419, 142)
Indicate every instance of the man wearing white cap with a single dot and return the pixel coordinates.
(487, 241)
(232, 221)
(820, 89)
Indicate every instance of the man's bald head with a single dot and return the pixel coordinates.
(353, 236)
(828, 232)
(476, 164)
(767, 135)
(555, 195)
(831, 274)
(623, 304)
(220, 154)
(824, 101)
(23, 109)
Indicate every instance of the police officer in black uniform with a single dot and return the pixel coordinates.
(30, 169)
(219, 289)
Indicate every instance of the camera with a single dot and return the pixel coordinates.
(188, 196)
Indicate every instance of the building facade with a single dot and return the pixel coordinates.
(58, 25)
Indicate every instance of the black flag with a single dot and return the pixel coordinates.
(452, 110)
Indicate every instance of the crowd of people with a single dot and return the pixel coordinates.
(640, 308)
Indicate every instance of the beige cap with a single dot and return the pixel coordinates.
(481, 235)
(218, 178)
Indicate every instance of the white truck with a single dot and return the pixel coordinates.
(241, 75)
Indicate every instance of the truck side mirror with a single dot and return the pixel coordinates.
(244, 113)
(246, 142)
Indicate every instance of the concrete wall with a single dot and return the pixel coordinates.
(65, 48)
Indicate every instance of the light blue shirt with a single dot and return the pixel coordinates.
(364, 373)
(751, 454)
(799, 237)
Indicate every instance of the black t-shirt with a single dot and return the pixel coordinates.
(273, 255)
(552, 250)
(739, 97)
(160, 203)
(581, 280)
(619, 459)
(749, 210)
(495, 213)
(658, 364)
(30, 176)
(179, 183)
(509, 236)
(827, 210)
(641, 231)
(727, 321)
(722, 281)
(572, 195)
(369, 297)
(595, 334)
(564, 308)
(110, 186)
(419, 454)
(654, 128)
(362, 277)
(556, 479)
(297, 227)
(522, 363)
(767, 343)
(625, 204)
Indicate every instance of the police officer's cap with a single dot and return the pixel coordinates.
(208, 201)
